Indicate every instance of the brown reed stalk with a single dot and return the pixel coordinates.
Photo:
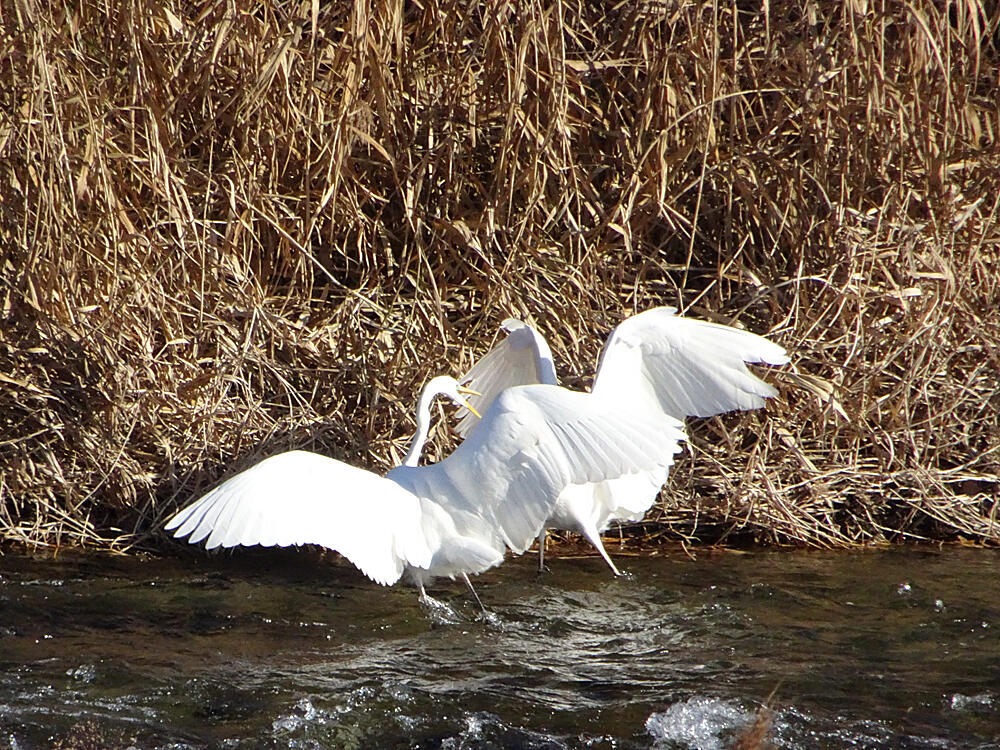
(230, 227)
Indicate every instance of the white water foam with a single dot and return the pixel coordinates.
(304, 713)
(698, 723)
(980, 701)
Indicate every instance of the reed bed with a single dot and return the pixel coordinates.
(230, 228)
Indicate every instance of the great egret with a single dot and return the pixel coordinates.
(656, 362)
(452, 518)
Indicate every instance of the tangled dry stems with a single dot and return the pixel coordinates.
(234, 227)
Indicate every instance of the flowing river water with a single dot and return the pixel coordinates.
(276, 649)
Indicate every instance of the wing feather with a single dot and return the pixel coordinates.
(688, 367)
(522, 358)
(304, 498)
(534, 442)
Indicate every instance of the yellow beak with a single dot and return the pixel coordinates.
(470, 392)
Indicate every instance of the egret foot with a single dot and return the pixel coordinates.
(490, 618)
(440, 613)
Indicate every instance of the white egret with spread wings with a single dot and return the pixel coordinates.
(655, 362)
(451, 518)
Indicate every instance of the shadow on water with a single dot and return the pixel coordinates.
(269, 649)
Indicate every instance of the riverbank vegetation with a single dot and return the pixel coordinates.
(231, 228)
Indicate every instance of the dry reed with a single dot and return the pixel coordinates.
(232, 227)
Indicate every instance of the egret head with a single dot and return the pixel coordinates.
(513, 324)
(446, 385)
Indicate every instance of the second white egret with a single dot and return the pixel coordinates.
(655, 362)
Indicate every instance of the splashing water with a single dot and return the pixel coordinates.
(276, 649)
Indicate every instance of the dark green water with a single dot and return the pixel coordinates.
(897, 649)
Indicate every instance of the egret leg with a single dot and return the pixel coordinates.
(474, 594)
(595, 538)
(542, 536)
(607, 559)
(490, 618)
(439, 612)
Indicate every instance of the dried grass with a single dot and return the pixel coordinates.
(234, 227)
(756, 734)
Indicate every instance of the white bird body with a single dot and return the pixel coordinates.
(594, 506)
(452, 518)
(502, 497)
(653, 363)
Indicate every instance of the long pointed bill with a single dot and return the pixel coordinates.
(471, 408)
(468, 391)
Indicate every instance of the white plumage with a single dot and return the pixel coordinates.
(655, 362)
(452, 518)
(300, 497)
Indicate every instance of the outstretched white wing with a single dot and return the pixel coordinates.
(522, 358)
(534, 442)
(305, 498)
(691, 368)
